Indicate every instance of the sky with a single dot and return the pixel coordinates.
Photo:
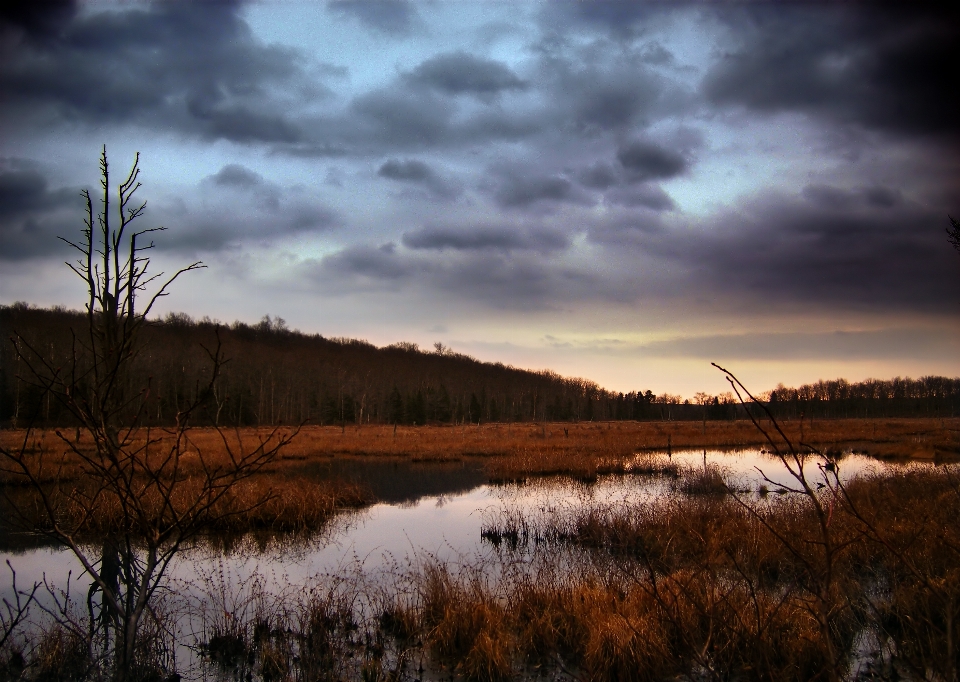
(620, 191)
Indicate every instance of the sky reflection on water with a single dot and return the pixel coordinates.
(390, 537)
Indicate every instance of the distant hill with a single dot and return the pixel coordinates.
(276, 375)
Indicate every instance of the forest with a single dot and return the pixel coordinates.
(275, 375)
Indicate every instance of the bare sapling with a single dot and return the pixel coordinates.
(135, 504)
(818, 553)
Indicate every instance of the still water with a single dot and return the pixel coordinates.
(428, 512)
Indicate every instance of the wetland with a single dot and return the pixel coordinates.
(519, 552)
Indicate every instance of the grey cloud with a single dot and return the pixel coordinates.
(470, 271)
(622, 185)
(24, 189)
(525, 191)
(828, 197)
(373, 264)
(886, 69)
(418, 173)
(505, 283)
(32, 216)
(882, 196)
(459, 73)
(249, 184)
(602, 87)
(398, 118)
(242, 124)
(516, 187)
(497, 125)
(647, 161)
(608, 106)
(618, 16)
(783, 252)
(191, 67)
(38, 20)
(238, 207)
(235, 175)
(484, 237)
(34, 237)
(200, 229)
(392, 17)
(309, 218)
(599, 176)
(839, 199)
(645, 195)
(409, 170)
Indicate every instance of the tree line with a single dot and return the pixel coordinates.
(275, 375)
(900, 397)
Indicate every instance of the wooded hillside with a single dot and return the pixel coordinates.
(276, 375)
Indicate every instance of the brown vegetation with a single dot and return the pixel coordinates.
(924, 438)
(688, 587)
(297, 500)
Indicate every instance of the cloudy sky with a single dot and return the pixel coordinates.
(618, 191)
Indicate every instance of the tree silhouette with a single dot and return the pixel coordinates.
(157, 501)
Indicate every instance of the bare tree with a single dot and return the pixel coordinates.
(818, 552)
(135, 489)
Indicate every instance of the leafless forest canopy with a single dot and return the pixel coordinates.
(277, 375)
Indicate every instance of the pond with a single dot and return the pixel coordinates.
(431, 510)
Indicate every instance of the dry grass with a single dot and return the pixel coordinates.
(683, 587)
(588, 447)
(753, 591)
(512, 452)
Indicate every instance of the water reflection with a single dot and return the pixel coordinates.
(398, 481)
(436, 510)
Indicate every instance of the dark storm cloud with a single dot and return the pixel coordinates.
(25, 189)
(190, 67)
(461, 73)
(37, 20)
(892, 68)
(831, 250)
(31, 214)
(392, 17)
(504, 239)
(648, 161)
